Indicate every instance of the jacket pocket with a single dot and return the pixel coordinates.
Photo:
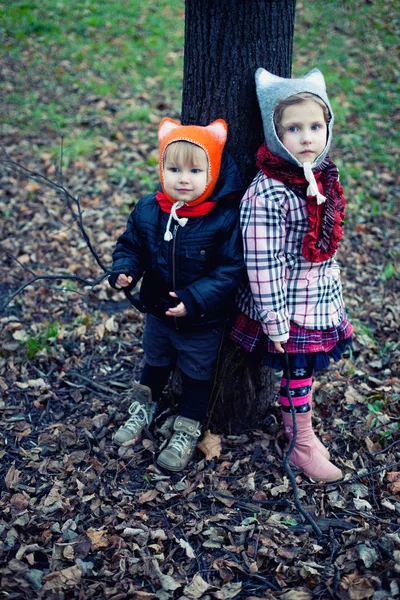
(200, 253)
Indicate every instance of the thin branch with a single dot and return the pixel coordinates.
(74, 206)
(386, 449)
(92, 284)
(71, 200)
(286, 464)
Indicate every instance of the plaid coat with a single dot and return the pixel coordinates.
(282, 286)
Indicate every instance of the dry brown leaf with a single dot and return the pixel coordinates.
(98, 538)
(227, 501)
(38, 383)
(20, 501)
(187, 547)
(12, 477)
(196, 588)
(99, 332)
(53, 496)
(110, 325)
(148, 496)
(210, 445)
(59, 579)
(393, 476)
(20, 335)
(32, 186)
(353, 397)
(297, 594)
(354, 587)
(395, 487)
(230, 590)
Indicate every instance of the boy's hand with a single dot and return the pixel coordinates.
(123, 281)
(177, 311)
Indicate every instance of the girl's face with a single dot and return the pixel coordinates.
(304, 130)
(185, 182)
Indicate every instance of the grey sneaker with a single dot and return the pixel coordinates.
(142, 412)
(181, 446)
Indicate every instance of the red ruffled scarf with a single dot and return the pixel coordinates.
(186, 211)
(324, 220)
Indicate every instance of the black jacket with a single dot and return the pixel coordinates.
(202, 264)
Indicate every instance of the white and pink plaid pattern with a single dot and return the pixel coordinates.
(283, 286)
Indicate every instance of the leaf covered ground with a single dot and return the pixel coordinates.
(81, 518)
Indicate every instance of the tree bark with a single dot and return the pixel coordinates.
(225, 42)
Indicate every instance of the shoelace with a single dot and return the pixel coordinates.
(139, 416)
(180, 439)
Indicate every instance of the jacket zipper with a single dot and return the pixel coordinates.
(174, 268)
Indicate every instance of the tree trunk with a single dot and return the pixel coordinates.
(225, 42)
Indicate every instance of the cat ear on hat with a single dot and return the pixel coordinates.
(166, 126)
(219, 129)
(265, 79)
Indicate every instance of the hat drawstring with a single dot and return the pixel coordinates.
(181, 220)
(312, 189)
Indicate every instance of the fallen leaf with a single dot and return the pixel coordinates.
(353, 397)
(188, 548)
(196, 588)
(110, 325)
(148, 496)
(210, 445)
(59, 579)
(354, 587)
(12, 477)
(361, 504)
(368, 555)
(296, 594)
(98, 538)
(230, 590)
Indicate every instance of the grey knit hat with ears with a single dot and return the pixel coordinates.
(271, 90)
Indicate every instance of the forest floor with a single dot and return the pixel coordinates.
(81, 518)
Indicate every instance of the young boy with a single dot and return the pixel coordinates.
(185, 241)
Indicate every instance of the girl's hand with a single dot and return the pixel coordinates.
(279, 347)
(177, 311)
(123, 281)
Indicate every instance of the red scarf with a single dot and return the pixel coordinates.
(186, 211)
(324, 220)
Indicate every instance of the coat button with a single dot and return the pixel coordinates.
(271, 315)
(202, 252)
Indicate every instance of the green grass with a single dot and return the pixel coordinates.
(58, 53)
(355, 45)
(43, 339)
(91, 68)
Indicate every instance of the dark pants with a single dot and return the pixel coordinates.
(195, 392)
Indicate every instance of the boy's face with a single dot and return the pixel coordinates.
(185, 182)
(304, 130)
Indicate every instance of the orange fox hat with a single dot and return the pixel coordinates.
(211, 138)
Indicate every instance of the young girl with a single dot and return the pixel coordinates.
(291, 220)
(185, 241)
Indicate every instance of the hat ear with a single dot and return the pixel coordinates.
(315, 76)
(264, 78)
(166, 126)
(219, 129)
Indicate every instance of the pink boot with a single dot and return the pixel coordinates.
(295, 384)
(306, 454)
(322, 449)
